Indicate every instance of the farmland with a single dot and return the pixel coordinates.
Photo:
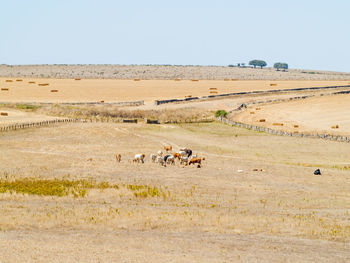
(244, 199)
(109, 90)
(255, 197)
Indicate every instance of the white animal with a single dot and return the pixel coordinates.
(182, 153)
(184, 160)
(153, 157)
(160, 153)
(139, 158)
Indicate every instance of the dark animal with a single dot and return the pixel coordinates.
(166, 157)
(189, 152)
(317, 172)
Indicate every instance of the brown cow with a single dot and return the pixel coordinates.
(118, 157)
(195, 160)
(177, 155)
(168, 148)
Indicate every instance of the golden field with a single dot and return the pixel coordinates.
(108, 90)
(254, 199)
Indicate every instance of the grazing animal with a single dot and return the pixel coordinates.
(118, 157)
(184, 160)
(189, 152)
(153, 157)
(177, 155)
(195, 160)
(171, 160)
(139, 158)
(89, 160)
(166, 157)
(182, 153)
(160, 153)
(160, 160)
(168, 148)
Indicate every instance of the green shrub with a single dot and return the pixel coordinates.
(220, 113)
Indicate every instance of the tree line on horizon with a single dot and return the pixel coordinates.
(261, 63)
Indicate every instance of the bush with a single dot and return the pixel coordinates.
(220, 113)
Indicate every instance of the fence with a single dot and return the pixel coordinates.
(18, 126)
(339, 138)
(159, 102)
(122, 103)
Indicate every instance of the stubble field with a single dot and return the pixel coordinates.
(109, 90)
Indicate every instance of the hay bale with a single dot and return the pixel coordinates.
(277, 124)
(234, 79)
(296, 126)
(226, 79)
(188, 96)
(213, 92)
(43, 84)
(177, 79)
(273, 84)
(137, 79)
(54, 90)
(213, 88)
(257, 108)
(262, 120)
(335, 126)
(77, 79)
(252, 112)
(31, 82)
(19, 80)
(4, 89)
(9, 80)
(4, 114)
(194, 79)
(102, 101)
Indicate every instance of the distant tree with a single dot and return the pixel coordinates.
(257, 63)
(280, 65)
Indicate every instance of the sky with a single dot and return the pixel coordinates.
(307, 34)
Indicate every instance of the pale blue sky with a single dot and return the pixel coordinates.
(306, 34)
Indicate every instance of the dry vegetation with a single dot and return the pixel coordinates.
(114, 113)
(254, 199)
(313, 115)
(164, 72)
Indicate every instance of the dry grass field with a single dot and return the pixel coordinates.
(108, 90)
(319, 114)
(255, 199)
(65, 198)
(164, 72)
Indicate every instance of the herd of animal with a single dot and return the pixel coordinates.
(185, 156)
